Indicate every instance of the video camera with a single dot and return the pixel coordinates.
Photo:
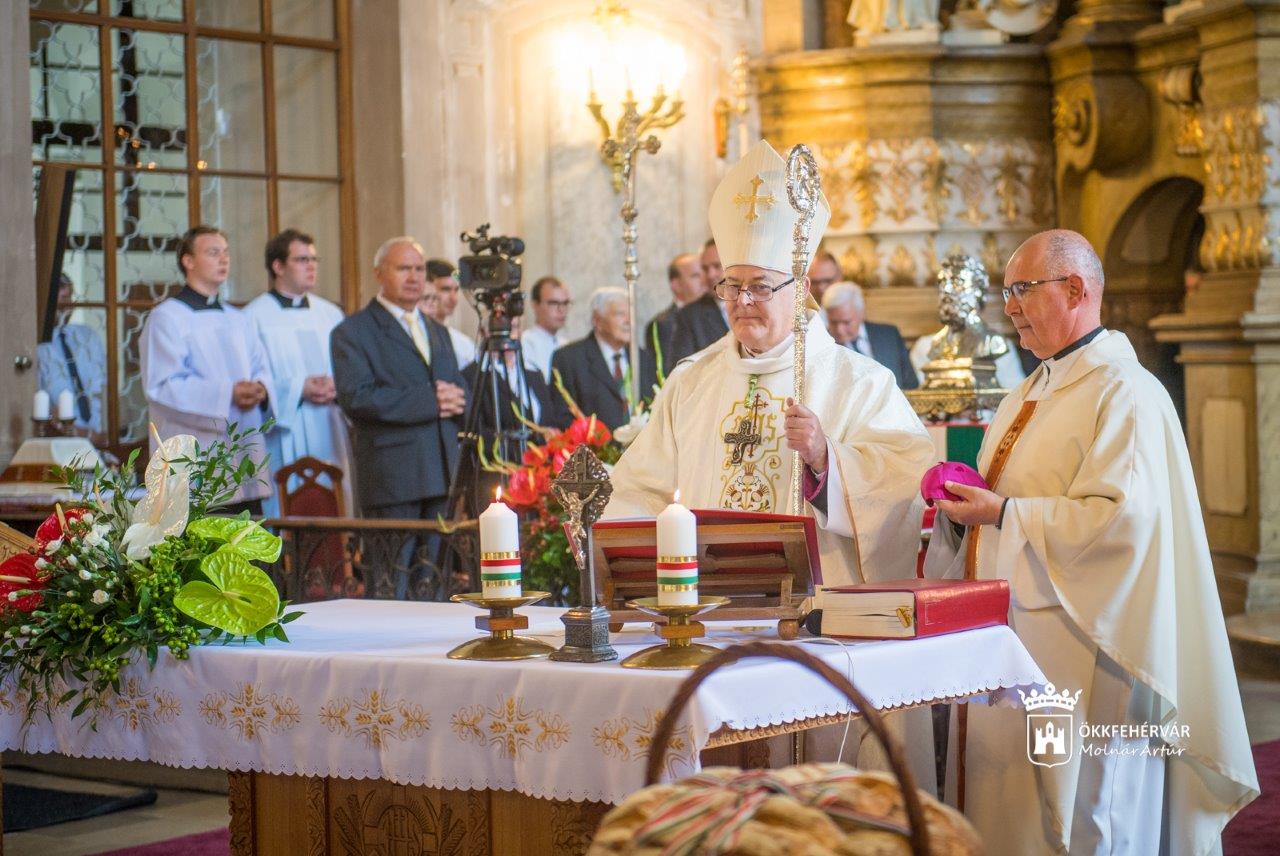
(492, 275)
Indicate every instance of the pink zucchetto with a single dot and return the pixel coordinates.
(932, 485)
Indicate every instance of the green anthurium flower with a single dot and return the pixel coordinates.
(239, 597)
(246, 537)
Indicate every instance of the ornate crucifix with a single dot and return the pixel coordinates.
(754, 199)
(583, 488)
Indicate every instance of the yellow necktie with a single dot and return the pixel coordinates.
(419, 337)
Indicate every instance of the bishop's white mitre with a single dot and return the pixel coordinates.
(752, 220)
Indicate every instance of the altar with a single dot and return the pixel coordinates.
(361, 733)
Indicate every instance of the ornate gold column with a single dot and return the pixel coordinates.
(925, 150)
(1229, 330)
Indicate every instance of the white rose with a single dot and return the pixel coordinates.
(52, 546)
(84, 574)
(73, 561)
(41, 564)
(87, 517)
(13, 596)
(99, 596)
(92, 538)
(26, 630)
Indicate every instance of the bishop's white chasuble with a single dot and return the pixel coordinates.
(717, 434)
(1113, 594)
(296, 340)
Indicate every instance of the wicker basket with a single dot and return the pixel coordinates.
(806, 810)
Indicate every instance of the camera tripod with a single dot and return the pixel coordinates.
(501, 389)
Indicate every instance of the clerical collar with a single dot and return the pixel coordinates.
(197, 301)
(287, 302)
(1079, 343)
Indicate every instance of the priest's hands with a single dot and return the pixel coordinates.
(248, 394)
(804, 435)
(319, 389)
(451, 398)
(977, 506)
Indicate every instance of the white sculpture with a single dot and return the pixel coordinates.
(872, 18)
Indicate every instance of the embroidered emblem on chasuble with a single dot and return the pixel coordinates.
(752, 475)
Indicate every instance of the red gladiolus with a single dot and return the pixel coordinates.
(51, 529)
(19, 572)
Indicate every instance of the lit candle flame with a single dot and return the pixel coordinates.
(497, 494)
(676, 497)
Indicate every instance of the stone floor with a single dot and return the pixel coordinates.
(184, 811)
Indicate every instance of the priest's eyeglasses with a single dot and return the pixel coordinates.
(761, 293)
(1020, 288)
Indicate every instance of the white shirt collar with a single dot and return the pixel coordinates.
(608, 352)
(397, 312)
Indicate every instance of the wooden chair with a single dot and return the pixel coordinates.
(313, 498)
(12, 541)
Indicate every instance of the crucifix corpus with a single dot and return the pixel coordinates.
(583, 490)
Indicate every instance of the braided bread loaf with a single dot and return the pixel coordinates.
(808, 810)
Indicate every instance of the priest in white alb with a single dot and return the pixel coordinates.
(294, 324)
(203, 366)
(723, 427)
(1093, 517)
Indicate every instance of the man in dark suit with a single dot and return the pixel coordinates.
(595, 370)
(704, 320)
(846, 320)
(684, 276)
(398, 382)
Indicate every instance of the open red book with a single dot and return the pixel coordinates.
(912, 608)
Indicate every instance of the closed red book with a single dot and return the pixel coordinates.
(912, 608)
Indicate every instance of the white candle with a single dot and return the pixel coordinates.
(66, 405)
(499, 550)
(677, 555)
(40, 406)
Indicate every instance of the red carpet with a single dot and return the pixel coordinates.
(216, 842)
(1253, 831)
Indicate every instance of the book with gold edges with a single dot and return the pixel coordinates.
(909, 608)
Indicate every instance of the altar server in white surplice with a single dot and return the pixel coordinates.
(723, 426)
(1095, 521)
(203, 365)
(294, 324)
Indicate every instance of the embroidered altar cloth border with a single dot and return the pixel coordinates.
(365, 691)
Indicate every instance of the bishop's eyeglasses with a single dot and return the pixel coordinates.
(1020, 288)
(760, 293)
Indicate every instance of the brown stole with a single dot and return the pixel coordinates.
(992, 475)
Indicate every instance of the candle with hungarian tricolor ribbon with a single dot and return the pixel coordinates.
(499, 550)
(677, 555)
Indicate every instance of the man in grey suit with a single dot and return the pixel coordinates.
(684, 276)
(398, 382)
(846, 320)
(703, 321)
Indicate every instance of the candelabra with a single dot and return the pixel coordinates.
(621, 150)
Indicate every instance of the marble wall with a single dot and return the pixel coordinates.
(493, 127)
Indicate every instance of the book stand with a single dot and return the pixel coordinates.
(766, 564)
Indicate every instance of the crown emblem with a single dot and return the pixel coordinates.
(1050, 698)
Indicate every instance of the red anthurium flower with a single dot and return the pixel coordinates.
(19, 572)
(51, 529)
(589, 430)
(527, 486)
(535, 456)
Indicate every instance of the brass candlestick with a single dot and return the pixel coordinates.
(680, 651)
(502, 643)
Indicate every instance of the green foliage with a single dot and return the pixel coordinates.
(99, 611)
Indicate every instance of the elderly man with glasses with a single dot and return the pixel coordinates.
(723, 427)
(1094, 519)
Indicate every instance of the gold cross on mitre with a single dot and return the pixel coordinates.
(754, 199)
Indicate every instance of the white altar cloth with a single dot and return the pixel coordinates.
(365, 691)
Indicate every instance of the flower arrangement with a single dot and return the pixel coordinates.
(112, 581)
(547, 559)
